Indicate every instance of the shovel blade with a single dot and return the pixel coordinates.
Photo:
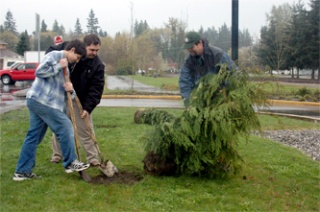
(108, 168)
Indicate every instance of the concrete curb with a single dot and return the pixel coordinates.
(172, 97)
(304, 118)
(286, 102)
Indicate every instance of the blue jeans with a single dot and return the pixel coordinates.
(42, 117)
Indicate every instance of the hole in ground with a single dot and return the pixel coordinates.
(123, 177)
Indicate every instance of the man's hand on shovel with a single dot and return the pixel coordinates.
(68, 87)
(84, 114)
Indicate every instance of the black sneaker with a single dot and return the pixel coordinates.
(77, 166)
(20, 177)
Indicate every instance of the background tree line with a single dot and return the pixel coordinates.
(289, 40)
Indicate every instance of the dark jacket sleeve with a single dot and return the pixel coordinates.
(58, 47)
(88, 81)
(95, 89)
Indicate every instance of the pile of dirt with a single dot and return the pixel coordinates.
(122, 177)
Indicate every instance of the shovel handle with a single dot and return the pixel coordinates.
(86, 119)
(83, 174)
(71, 110)
(66, 75)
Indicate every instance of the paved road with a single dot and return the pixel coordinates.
(125, 83)
(143, 103)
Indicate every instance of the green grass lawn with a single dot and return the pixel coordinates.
(166, 83)
(275, 177)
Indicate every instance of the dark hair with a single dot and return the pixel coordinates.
(91, 39)
(80, 47)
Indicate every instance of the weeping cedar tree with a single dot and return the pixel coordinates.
(203, 140)
(152, 116)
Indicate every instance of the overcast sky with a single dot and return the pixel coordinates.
(115, 16)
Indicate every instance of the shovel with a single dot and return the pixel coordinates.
(106, 166)
(83, 174)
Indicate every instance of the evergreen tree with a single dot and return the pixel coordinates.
(77, 28)
(212, 35)
(224, 38)
(245, 38)
(140, 27)
(266, 50)
(314, 42)
(145, 25)
(28, 47)
(92, 23)
(1, 28)
(201, 31)
(59, 30)
(43, 27)
(23, 44)
(203, 141)
(102, 33)
(138, 30)
(55, 27)
(62, 30)
(10, 24)
(297, 38)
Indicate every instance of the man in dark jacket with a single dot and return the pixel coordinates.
(87, 77)
(203, 59)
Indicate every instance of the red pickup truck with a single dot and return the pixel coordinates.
(19, 72)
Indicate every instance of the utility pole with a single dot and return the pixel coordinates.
(38, 34)
(132, 46)
(235, 31)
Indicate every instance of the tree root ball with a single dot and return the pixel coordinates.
(154, 165)
(137, 116)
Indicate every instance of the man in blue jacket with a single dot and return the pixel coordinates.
(202, 60)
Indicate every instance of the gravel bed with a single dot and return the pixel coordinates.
(308, 141)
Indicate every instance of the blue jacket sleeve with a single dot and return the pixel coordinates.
(49, 66)
(225, 59)
(185, 82)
